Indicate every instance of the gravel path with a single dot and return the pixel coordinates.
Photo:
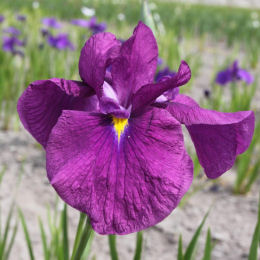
(240, 3)
(232, 218)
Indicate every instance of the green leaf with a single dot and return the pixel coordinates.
(180, 254)
(65, 233)
(112, 247)
(86, 252)
(84, 240)
(256, 237)
(194, 240)
(44, 241)
(26, 234)
(147, 16)
(82, 218)
(6, 232)
(7, 253)
(139, 246)
(208, 247)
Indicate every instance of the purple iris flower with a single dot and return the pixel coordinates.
(159, 61)
(113, 151)
(2, 18)
(234, 73)
(80, 22)
(12, 30)
(60, 41)
(45, 32)
(10, 44)
(51, 22)
(96, 27)
(21, 18)
(162, 73)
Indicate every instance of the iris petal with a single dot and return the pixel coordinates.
(218, 137)
(42, 102)
(148, 93)
(123, 188)
(136, 65)
(95, 57)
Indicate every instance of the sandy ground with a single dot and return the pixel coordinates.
(232, 218)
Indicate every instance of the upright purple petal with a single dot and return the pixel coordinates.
(123, 187)
(42, 103)
(224, 77)
(163, 73)
(148, 93)
(51, 22)
(95, 57)
(218, 137)
(2, 18)
(245, 76)
(12, 30)
(60, 41)
(137, 63)
(80, 22)
(21, 18)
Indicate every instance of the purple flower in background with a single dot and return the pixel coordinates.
(96, 27)
(234, 73)
(12, 30)
(51, 22)
(80, 22)
(159, 61)
(164, 73)
(60, 41)
(10, 44)
(21, 18)
(2, 18)
(45, 32)
(113, 151)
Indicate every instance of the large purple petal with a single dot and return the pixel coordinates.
(42, 102)
(148, 93)
(95, 57)
(218, 137)
(137, 63)
(124, 187)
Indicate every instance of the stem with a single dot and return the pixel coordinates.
(112, 246)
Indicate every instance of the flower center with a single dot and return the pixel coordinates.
(119, 125)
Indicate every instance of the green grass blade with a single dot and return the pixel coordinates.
(86, 252)
(26, 234)
(9, 248)
(6, 231)
(82, 218)
(256, 237)
(84, 240)
(65, 233)
(44, 241)
(208, 247)
(194, 240)
(139, 246)
(180, 254)
(112, 247)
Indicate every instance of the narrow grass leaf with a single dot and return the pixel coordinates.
(194, 240)
(208, 247)
(256, 237)
(82, 218)
(65, 233)
(139, 246)
(84, 240)
(180, 254)
(11, 243)
(26, 234)
(112, 247)
(44, 241)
